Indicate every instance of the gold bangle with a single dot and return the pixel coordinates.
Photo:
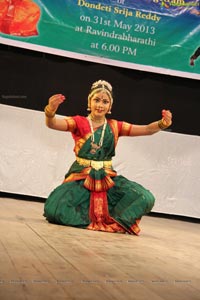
(161, 125)
(48, 112)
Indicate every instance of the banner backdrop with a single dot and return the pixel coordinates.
(161, 36)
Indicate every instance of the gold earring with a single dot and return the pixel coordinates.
(109, 111)
(88, 109)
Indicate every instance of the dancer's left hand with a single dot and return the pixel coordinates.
(167, 117)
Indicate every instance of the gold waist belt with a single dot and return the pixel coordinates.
(97, 165)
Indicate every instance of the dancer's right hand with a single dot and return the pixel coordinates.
(55, 101)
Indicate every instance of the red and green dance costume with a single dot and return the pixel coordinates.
(93, 196)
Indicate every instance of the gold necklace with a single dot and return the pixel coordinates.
(95, 146)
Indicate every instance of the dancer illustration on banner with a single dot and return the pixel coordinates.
(194, 56)
(19, 17)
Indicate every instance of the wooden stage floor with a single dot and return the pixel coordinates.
(39, 260)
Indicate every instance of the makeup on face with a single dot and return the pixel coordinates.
(100, 103)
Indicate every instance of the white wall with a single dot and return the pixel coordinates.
(34, 160)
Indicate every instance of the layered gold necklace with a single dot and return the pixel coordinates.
(96, 146)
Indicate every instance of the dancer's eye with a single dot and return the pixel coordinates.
(105, 101)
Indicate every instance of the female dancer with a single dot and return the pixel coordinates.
(92, 195)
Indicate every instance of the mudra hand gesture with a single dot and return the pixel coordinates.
(166, 120)
(55, 101)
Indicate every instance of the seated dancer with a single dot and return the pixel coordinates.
(92, 195)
